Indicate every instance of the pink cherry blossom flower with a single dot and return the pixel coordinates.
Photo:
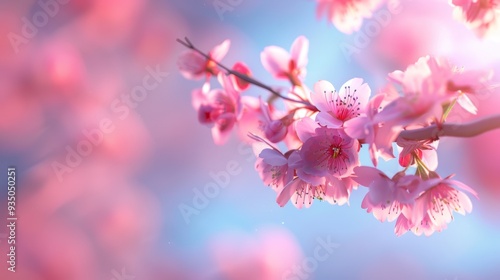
(483, 16)
(337, 107)
(366, 128)
(431, 83)
(421, 102)
(434, 208)
(463, 84)
(347, 15)
(263, 120)
(304, 188)
(219, 108)
(424, 150)
(387, 198)
(326, 151)
(457, 83)
(284, 65)
(194, 66)
(272, 165)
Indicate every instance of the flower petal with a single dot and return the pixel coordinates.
(323, 95)
(365, 175)
(222, 129)
(273, 157)
(305, 128)
(220, 51)
(287, 192)
(328, 120)
(299, 50)
(465, 102)
(275, 60)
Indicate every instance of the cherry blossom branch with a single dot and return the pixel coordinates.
(242, 76)
(470, 129)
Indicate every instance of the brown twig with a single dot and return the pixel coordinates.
(242, 76)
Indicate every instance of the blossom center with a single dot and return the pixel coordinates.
(336, 152)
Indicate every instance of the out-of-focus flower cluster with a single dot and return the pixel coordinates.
(310, 149)
(83, 212)
(482, 16)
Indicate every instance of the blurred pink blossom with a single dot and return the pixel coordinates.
(483, 16)
(266, 255)
(193, 65)
(284, 65)
(347, 15)
(219, 108)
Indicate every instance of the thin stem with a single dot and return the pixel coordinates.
(448, 110)
(242, 76)
(470, 129)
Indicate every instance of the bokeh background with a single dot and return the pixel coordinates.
(117, 212)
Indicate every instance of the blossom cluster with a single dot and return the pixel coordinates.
(482, 16)
(310, 149)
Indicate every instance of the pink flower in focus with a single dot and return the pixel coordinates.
(326, 151)
(337, 107)
(271, 164)
(302, 192)
(194, 66)
(483, 16)
(387, 198)
(347, 15)
(220, 108)
(284, 65)
(433, 209)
